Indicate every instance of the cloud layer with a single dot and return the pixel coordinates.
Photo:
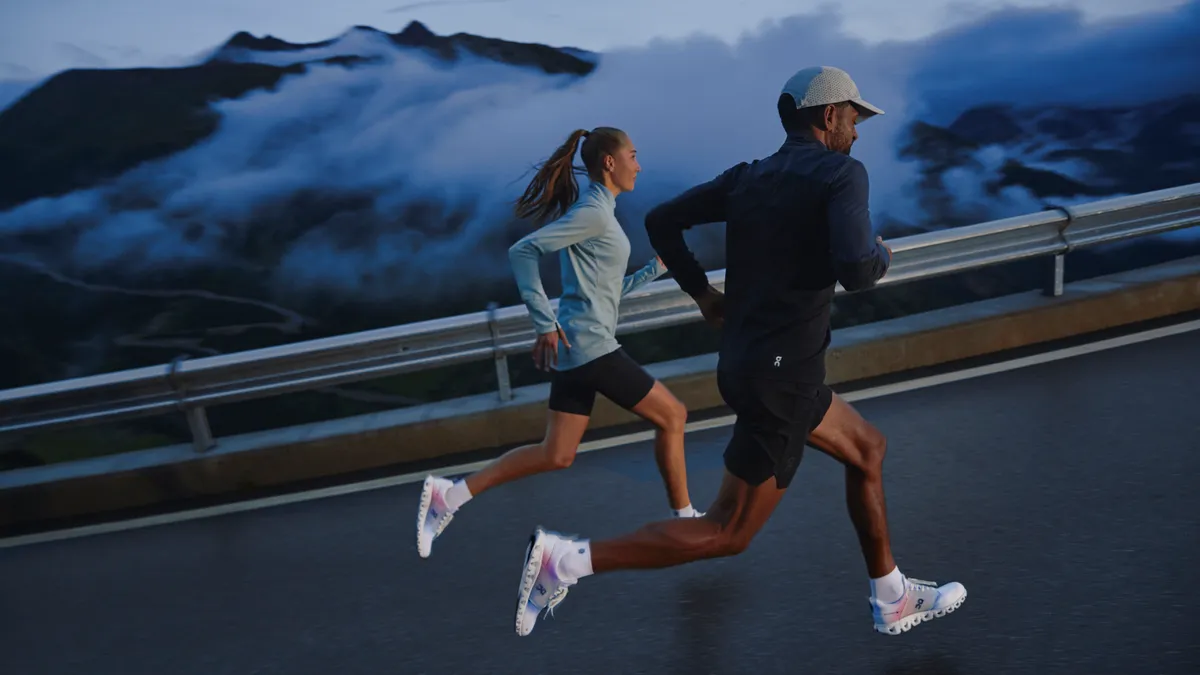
(395, 178)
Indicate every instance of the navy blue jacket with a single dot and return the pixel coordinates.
(797, 222)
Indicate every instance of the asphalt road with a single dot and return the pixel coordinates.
(1064, 496)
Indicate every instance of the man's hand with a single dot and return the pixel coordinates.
(886, 248)
(712, 306)
(545, 349)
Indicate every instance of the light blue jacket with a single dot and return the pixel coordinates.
(594, 256)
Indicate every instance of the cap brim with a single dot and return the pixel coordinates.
(865, 110)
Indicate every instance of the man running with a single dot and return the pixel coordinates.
(797, 222)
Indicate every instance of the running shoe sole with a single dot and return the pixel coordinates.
(912, 620)
(533, 567)
(422, 512)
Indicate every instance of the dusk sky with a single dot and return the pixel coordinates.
(40, 37)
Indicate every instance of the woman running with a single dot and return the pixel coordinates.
(594, 256)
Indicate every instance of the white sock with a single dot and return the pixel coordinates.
(457, 495)
(888, 588)
(685, 512)
(575, 563)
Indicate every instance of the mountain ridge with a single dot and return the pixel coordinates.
(135, 115)
(1055, 152)
(551, 60)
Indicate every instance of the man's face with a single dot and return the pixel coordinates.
(842, 129)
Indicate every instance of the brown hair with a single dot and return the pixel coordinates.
(553, 190)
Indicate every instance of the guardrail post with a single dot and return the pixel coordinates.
(503, 383)
(202, 438)
(1054, 286)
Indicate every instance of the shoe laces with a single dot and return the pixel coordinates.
(921, 585)
(561, 592)
(555, 600)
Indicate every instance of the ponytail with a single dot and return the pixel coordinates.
(553, 189)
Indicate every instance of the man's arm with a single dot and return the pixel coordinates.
(665, 224)
(573, 227)
(858, 259)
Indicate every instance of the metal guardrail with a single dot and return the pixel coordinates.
(188, 385)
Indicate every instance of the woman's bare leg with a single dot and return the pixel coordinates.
(557, 450)
(668, 414)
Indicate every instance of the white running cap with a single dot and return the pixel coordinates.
(825, 85)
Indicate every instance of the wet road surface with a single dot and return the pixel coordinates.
(1065, 496)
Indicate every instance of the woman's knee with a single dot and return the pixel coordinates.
(557, 456)
(561, 442)
(674, 418)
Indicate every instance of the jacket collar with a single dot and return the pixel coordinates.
(801, 139)
(596, 191)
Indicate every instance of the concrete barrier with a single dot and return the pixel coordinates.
(282, 456)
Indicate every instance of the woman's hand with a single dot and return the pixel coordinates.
(545, 349)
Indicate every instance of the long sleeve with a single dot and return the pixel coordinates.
(574, 226)
(859, 261)
(704, 203)
(653, 270)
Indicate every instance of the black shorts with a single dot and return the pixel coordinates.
(615, 375)
(774, 419)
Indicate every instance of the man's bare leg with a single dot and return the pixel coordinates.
(844, 435)
(554, 563)
(898, 603)
(738, 513)
(740, 510)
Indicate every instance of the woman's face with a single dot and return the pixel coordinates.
(622, 166)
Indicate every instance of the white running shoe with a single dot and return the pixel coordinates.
(541, 588)
(433, 515)
(922, 601)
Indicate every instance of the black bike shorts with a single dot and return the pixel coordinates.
(774, 419)
(615, 375)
